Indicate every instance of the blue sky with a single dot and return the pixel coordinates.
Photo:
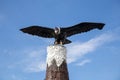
(92, 56)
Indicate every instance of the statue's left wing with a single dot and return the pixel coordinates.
(82, 27)
(39, 31)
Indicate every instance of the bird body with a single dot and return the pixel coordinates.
(61, 38)
(61, 34)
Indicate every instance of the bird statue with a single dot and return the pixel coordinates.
(59, 33)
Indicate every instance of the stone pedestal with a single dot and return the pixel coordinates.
(56, 63)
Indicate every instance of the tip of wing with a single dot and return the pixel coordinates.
(101, 25)
(23, 30)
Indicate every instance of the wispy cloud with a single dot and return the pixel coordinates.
(36, 66)
(77, 50)
(34, 59)
(82, 63)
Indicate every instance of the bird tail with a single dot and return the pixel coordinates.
(67, 41)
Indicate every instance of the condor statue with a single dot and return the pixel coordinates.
(61, 33)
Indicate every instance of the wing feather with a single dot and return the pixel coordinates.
(39, 31)
(82, 27)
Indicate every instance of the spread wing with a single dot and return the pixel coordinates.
(82, 27)
(39, 31)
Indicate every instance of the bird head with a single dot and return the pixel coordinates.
(57, 30)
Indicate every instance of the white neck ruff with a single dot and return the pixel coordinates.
(57, 53)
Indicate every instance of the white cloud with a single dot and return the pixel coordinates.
(82, 63)
(34, 60)
(77, 50)
(31, 61)
(36, 67)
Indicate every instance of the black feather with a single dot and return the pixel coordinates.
(39, 31)
(82, 27)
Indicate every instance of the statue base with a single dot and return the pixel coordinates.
(56, 63)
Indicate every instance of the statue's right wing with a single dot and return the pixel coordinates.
(39, 31)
